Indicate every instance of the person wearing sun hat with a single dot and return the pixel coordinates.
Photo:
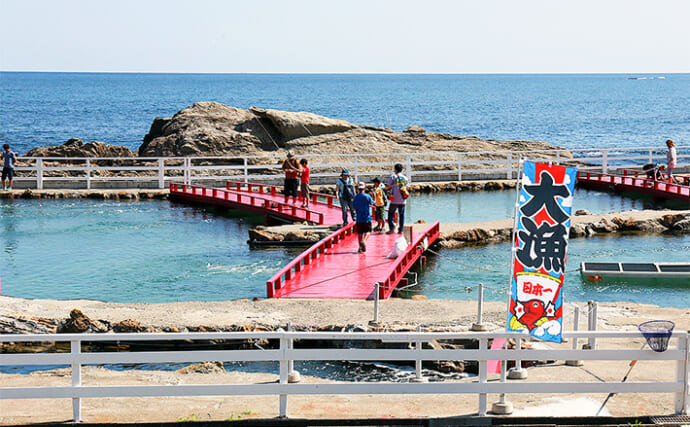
(362, 204)
(345, 190)
(292, 170)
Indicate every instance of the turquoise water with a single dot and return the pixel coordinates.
(156, 251)
(147, 251)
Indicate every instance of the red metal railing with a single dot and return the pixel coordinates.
(306, 258)
(274, 190)
(637, 182)
(405, 261)
(256, 202)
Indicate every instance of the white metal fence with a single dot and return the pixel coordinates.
(149, 172)
(286, 354)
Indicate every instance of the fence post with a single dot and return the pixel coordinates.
(356, 170)
(605, 161)
(408, 168)
(418, 378)
(682, 400)
(39, 174)
(517, 372)
(161, 173)
(649, 159)
(592, 307)
(483, 345)
(459, 166)
(479, 326)
(576, 327)
(188, 170)
(75, 349)
(246, 174)
(502, 406)
(88, 174)
(283, 377)
(558, 157)
(293, 376)
(376, 304)
(509, 158)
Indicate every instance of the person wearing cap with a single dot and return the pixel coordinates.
(345, 190)
(292, 170)
(379, 205)
(362, 204)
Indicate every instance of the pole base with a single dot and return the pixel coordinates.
(478, 327)
(294, 377)
(502, 408)
(574, 363)
(517, 373)
(419, 380)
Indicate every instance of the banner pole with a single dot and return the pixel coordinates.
(513, 250)
(516, 372)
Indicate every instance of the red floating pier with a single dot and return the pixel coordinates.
(332, 268)
(261, 199)
(631, 181)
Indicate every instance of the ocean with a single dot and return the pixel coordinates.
(569, 110)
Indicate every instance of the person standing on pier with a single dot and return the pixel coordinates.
(9, 157)
(362, 204)
(304, 183)
(670, 159)
(379, 205)
(397, 185)
(292, 170)
(345, 190)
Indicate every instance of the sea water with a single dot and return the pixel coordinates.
(569, 110)
(157, 251)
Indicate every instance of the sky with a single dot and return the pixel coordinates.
(358, 36)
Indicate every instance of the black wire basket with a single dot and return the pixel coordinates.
(657, 333)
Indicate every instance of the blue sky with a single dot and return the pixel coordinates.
(371, 36)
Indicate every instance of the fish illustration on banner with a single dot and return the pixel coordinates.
(541, 246)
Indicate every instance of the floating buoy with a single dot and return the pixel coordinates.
(594, 278)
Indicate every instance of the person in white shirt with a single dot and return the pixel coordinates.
(670, 159)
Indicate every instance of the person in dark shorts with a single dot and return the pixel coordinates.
(362, 204)
(304, 183)
(292, 170)
(8, 157)
(379, 205)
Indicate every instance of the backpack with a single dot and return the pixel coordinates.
(348, 190)
(402, 186)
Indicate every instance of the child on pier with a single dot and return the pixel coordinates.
(379, 205)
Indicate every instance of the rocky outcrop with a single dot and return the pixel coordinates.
(78, 148)
(213, 129)
(582, 227)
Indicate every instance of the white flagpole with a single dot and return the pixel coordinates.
(513, 249)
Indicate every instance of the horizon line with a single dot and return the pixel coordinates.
(344, 72)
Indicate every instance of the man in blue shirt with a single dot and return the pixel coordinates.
(362, 204)
(8, 166)
(345, 190)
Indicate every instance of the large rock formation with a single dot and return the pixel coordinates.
(78, 148)
(213, 129)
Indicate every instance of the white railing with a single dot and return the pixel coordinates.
(286, 354)
(153, 172)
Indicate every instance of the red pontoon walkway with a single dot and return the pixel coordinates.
(632, 182)
(261, 199)
(332, 268)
